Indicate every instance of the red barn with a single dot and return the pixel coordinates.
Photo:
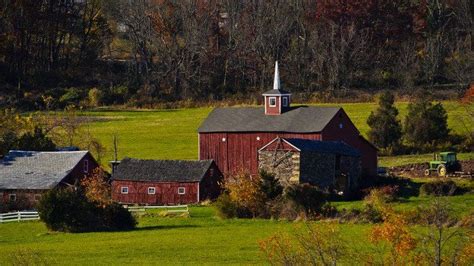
(26, 175)
(232, 136)
(164, 182)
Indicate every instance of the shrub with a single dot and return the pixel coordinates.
(309, 198)
(67, 210)
(115, 217)
(225, 207)
(70, 211)
(439, 188)
(270, 186)
(94, 97)
(244, 191)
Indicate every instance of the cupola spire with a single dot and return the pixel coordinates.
(276, 80)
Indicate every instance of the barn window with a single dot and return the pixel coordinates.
(151, 191)
(124, 190)
(341, 125)
(86, 166)
(272, 101)
(223, 139)
(181, 190)
(12, 197)
(285, 101)
(258, 138)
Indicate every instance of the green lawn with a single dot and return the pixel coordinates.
(201, 239)
(172, 134)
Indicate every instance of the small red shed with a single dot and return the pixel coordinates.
(165, 182)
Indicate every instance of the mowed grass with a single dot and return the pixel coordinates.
(200, 239)
(172, 134)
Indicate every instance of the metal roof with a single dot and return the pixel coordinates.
(302, 119)
(161, 170)
(37, 170)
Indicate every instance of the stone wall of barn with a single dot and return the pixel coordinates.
(352, 167)
(284, 164)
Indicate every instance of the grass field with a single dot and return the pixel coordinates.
(172, 134)
(201, 238)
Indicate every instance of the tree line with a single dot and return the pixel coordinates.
(145, 51)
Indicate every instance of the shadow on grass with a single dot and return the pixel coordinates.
(159, 227)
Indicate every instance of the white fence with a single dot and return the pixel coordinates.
(19, 216)
(169, 209)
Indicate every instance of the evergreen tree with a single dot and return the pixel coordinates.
(270, 186)
(426, 123)
(385, 128)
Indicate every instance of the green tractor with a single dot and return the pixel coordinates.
(443, 164)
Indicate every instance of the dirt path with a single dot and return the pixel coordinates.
(418, 169)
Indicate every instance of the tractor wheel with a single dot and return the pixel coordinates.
(442, 170)
(427, 172)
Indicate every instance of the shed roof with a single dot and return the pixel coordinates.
(333, 147)
(161, 170)
(302, 119)
(37, 170)
(276, 92)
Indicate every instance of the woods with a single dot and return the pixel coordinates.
(54, 52)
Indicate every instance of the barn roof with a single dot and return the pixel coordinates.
(37, 170)
(161, 170)
(333, 147)
(337, 147)
(302, 119)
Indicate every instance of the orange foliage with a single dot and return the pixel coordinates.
(468, 97)
(244, 189)
(96, 187)
(394, 231)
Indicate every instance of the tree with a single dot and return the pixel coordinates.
(244, 190)
(270, 186)
(425, 123)
(443, 243)
(35, 141)
(385, 128)
(97, 188)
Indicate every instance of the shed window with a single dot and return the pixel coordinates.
(12, 197)
(272, 101)
(124, 190)
(151, 190)
(37, 197)
(86, 166)
(181, 190)
(285, 101)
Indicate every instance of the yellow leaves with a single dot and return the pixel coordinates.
(244, 190)
(96, 187)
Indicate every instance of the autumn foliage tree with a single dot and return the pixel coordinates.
(97, 188)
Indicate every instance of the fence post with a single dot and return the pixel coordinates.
(18, 216)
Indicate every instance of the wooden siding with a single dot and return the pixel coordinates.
(166, 193)
(350, 135)
(239, 150)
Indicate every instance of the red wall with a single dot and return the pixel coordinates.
(350, 135)
(239, 150)
(166, 193)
